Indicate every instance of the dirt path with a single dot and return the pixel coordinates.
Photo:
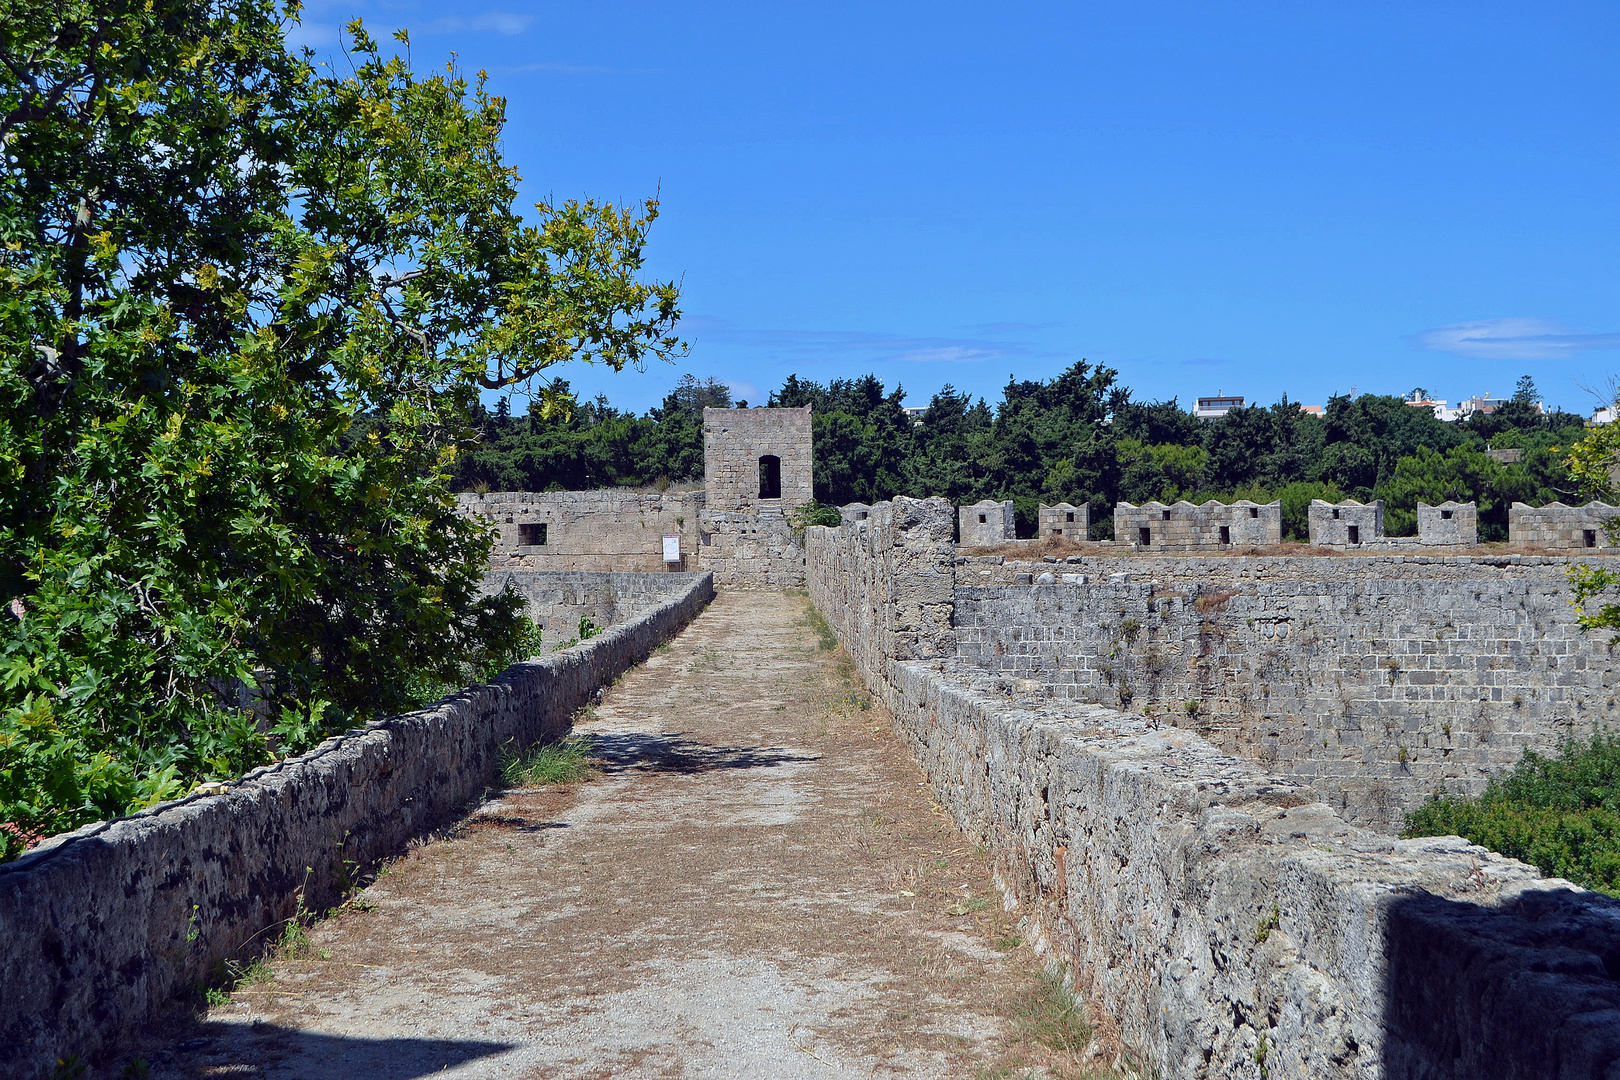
(756, 886)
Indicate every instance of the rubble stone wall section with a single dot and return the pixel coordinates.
(557, 599)
(1230, 925)
(1376, 680)
(104, 925)
(588, 530)
(1558, 526)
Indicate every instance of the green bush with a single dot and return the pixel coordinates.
(815, 513)
(1560, 814)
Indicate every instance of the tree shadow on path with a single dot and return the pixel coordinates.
(274, 1050)
(675, 753)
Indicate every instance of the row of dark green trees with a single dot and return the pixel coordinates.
(1080, 437)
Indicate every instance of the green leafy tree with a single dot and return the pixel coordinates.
(1461, 473)
(245, 313)
(1560, 814)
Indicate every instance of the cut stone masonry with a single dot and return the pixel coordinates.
(1186, 526)
(986, 523)
(1064, 520)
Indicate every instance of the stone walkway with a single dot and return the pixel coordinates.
(757, 885)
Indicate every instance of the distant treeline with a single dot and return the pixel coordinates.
(1077, 438)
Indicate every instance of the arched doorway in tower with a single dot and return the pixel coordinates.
(770, 477)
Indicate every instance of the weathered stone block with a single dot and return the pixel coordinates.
(1448, 524)
(986, 524)
(1069, 522)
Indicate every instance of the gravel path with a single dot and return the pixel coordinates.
(756, 884)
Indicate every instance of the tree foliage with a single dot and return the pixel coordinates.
(245, 311)
(1560, 814)
(1079, 437)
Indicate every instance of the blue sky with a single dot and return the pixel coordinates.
(1257, 198)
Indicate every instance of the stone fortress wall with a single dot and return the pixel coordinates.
(1558, 526)
(739, 526)
(1184, 525)
(1450, 524)
(1231, 923)
(986, 523)
(1346, 523)
(1376, 680)
(1065, 520)
(588, 530)
(738, 445)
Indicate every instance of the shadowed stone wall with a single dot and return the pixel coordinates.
(103, 925)
(556, 599)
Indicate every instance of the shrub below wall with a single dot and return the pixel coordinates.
(103, 925)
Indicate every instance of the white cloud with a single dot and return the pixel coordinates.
(312, 35)
(552, 68)
(745, 391)
(811, 346)
(1512, 339)
(499, 22)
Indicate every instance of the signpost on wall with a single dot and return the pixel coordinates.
(672, 551)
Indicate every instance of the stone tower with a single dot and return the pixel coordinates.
(757, 460)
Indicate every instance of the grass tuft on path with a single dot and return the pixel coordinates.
(566, 761)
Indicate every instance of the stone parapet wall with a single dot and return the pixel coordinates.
(1231, 925)
(103, 925)
(1345, 524)
(1448, 524)
(886, 584)
(1186, 526)
(1375, 680)
(557, 599)
(609, 530)
(1065, 520)
(986, 523)
(1210, 910)
(1558, 526)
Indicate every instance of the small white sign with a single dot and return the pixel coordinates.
(672, 549)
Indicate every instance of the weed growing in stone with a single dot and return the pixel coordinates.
(1266, 925)
(566, 761)
(587, 630)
